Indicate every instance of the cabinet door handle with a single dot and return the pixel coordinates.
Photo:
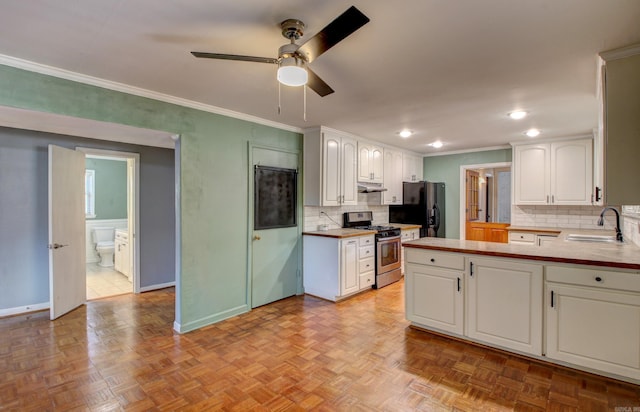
(553, 198)
(547, 198)
(458, 284)
(471, 269)
(552, 303)
(598, 279)
(598, 194)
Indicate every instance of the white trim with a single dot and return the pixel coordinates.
(463, 201)
(136, 91)
(482, 149)
(559, 139)
(620, 53)
(133, 221)
(24, 309)
(156, 287)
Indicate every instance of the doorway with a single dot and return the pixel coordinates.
(111, 193)
(274, 242)
(485, 202)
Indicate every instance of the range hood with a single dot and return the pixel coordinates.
(370, 188)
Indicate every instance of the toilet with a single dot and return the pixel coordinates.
(103, 237)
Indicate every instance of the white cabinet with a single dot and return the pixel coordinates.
(335, 268)
(434, 290)
(593, 319)
(121, 254)
(406, 236)
(370, 163)
(367, 262)
(504, 304)
(532, 238)
(558, 173)
(412, 168)
(392, 177)
(330, 168)
(620, 126)
(349, 266)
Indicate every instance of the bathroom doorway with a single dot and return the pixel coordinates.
(111, 198)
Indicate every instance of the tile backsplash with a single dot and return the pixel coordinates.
(576, 217)
(366, 201)
(631, 225)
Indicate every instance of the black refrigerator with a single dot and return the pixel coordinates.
(422, 204)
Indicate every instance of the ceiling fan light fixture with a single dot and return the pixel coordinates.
(291, 72)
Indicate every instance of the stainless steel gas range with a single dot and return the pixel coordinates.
(387, 246)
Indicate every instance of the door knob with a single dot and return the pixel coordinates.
(56, 246)
(256, 237)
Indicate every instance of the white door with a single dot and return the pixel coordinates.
(348, 266)
(331, 190)
(532, 175)
(572, 172)
(349, 169)
(67, 275)
(275, 253)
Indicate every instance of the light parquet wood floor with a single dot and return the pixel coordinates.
(300, 353)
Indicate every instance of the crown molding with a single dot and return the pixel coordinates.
(480, 149)
(620, 53)
(136, 91)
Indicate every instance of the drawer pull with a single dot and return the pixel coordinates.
(433, 260)
(598, 279)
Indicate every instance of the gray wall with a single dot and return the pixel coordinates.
(24, 261)
(111, 188)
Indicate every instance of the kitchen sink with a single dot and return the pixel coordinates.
(591, 238)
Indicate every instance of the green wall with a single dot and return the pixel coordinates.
(110, 186)
(213, 165)
(446, 169)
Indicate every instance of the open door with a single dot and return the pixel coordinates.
(67, 278)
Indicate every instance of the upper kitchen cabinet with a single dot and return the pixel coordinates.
(330, 168)
(620, 127)
(558, 173)
(370, 163)
(412, 168)
(392, 177)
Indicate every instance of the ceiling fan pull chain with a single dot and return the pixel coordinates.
(304, 104)
(278, 98)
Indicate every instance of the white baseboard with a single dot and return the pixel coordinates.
(156, 287)
(208, 320)
(23, 309)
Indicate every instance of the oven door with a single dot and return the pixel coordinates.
(387, 254)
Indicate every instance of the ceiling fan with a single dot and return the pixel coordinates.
(293, 59)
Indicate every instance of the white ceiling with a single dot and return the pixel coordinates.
(449, 70)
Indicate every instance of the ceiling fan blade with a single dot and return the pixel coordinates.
(318, 85)
(336, 31)
(235, 57)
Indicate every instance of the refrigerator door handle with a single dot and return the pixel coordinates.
(436, 220)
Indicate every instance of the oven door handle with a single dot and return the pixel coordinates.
(387, 239)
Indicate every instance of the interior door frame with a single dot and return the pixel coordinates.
(463, 173)
(134, 238)
(250, 211)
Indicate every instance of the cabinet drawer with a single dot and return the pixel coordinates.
(522, 237)
(433, 258)
(122, 236)
(601, 278)
(367, 251)
(367, 241)
(367, 264)
(367, 279)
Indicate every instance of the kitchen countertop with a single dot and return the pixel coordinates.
(405, 226)
(340, 233)
(615, 255)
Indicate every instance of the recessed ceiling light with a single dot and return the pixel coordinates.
(437, 144)
(532, 132)
(405, 133)
(518, 114)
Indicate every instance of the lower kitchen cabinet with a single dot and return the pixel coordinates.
(434, 290)
(504, 304)
(434, 297)
(334, 268)
(592, 324)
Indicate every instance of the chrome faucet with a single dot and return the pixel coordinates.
(601, 222)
